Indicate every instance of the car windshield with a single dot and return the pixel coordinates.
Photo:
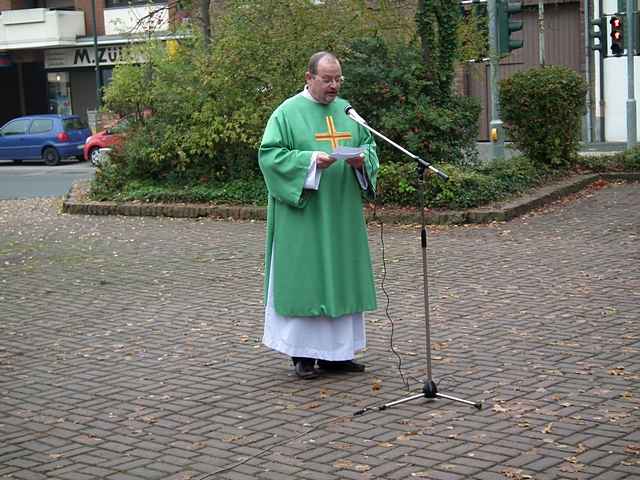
(73, 124)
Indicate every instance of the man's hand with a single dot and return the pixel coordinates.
(323, 160)
(356, 162)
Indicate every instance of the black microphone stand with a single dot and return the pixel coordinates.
(429, 390)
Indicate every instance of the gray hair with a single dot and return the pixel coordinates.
(315, 59)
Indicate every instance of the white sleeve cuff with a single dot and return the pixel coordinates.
(312, 182)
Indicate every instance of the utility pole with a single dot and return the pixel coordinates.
(96, 54)
(495, 126)
(541, 31)
(631, 101)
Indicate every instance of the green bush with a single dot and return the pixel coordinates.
(236, 192)
(472, 187)
(631, 160)
(541, 109)
(466, 188)
(627, 161)
(211, 103)
(396, 184)
(386, 83)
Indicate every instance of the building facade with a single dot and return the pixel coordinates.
(48, 50)
(560, 30)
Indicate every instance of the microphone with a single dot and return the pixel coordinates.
(353, 115)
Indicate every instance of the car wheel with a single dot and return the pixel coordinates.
(94, 156)
(51, 156)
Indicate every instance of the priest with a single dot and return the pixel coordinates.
(318, 275)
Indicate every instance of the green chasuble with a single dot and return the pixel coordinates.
(322, 264)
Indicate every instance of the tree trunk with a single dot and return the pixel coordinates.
(425, 27)
(205, 18)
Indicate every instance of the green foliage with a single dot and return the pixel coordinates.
(271, 43)
(627, 161)
(473, 34)
(630, 161)
(396, 184)
(210, 105)
(437, 23)
(128, 93)
(387, 82)
(188, 133)
(466, 188)
(490, 182)
(236, 192)
(542, 108)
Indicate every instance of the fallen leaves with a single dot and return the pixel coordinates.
(344, 464)
(516, 474)
(405, 436)
(615, 417)
(498, 408)
(632, 448)
(440, 345)
(341, 445)
(617, 371)
(571, 467)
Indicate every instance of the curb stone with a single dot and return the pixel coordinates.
(74, 203)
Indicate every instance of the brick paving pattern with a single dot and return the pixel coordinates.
(130, 349)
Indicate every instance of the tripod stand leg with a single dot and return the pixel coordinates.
(478, 405)
(427, 393)
(430, 390)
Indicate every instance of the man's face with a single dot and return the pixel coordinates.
(324, 86)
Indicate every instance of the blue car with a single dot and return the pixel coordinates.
(43, 137)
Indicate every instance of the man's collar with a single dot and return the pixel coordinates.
(307, 94)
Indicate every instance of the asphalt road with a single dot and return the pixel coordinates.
(35, 179)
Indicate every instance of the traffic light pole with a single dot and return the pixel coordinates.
(97, 57)
(603, 52)
(495, 126)
(631, 101)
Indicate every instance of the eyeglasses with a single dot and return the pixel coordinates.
(328, 81)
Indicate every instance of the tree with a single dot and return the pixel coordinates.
(437, 23)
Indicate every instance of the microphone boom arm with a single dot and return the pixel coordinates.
(421, 161)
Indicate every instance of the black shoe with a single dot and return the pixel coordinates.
(341, 366)
(305, 368)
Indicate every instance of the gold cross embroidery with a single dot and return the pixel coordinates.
(332, 135)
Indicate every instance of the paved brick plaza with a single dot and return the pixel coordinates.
(130, 349)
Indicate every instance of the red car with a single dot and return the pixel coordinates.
(108, 138)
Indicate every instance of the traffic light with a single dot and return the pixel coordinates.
(617, 35)
(506, 26)
(598, 32)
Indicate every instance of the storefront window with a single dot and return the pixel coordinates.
(59, 93)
